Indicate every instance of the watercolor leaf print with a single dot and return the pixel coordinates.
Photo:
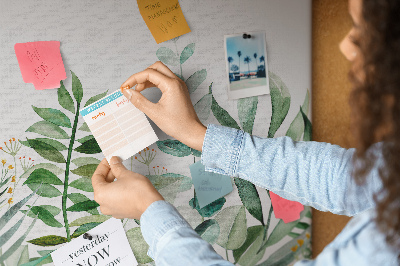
(187, 52)
(307, 127)
(203, 107)
(65, 99)
(250, 198)
(208, 210)
(248, 253)
(167, 56)
(247, 109)
(138, 245)
(209, 230)
(296, 128)
(53, 116)
(194, 81)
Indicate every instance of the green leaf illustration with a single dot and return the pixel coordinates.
(77, 89)
(48, 166)
(196, 153)
(167, 56)
(138, 245)
(223, 117)
(46, 150)
(85, 170)
(44, 176)
(90, 219)
(50, 240)
(302, 225)
(78, 197)
(11, 231)
(4, 191)
(45, 190)
(307, 127)
(191, 215)
(83, 206)
(83, 229)
(247, 108)
(162, 181)
(48, 129)
(248, 253)
(85, 160)
(84, 127)
(84, 139)
(89, 147)
(194, 81)
(65, 99)
(233, 227)
(187, 52)
(19, 257)
(82, 183)
(174, 147)
(208, 230)
(250, 198)
(96, 98)
(45, 216)
(55, 143)
(52, 209)
(210, 209)
(53, 116)
(280, 100)
(39, 261)
(203, 107)
(296, 128)
(186, 183)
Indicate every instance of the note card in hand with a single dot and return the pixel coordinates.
(108, 246)
(164, 18)
(118, 126)
(41, 63)
(209, 186)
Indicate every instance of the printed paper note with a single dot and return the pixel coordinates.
(284, 209)
(41, 63)
(118, 126)
(108, 246)
(164, 18)
(209, 186)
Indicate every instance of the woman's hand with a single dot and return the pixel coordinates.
(128, 196)
(174, 113)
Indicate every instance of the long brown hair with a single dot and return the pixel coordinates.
(375, 101)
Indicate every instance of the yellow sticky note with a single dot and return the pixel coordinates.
(164, 18)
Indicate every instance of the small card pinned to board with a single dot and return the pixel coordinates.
(118, 126)
(108, 246)
(41, 63)
(209, 186)
(164, 18)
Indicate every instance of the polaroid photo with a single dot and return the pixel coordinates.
(246, 64)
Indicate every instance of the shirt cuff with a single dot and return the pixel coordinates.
(159, 219)
(222, 147)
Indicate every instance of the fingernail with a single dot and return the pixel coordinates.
(128, 94)
(115, 160)
(124, 88)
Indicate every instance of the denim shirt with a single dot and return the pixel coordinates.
(312, 173)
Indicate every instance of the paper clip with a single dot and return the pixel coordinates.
(87, 236)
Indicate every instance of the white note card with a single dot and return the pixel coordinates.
(109, 246)
(118, 126)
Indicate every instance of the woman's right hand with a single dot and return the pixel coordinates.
(173, 113)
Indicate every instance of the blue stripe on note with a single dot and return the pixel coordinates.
(100, 103)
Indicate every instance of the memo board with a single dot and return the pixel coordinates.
(103, 43)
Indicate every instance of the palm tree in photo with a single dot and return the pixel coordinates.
(247, 60)
(262, 59)
(255, 60)
(239, 55)
(230, 60)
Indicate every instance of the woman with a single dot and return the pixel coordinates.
(317, 174)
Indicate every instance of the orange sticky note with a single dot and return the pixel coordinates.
(284, 209)
(41, 63)
(164, 18)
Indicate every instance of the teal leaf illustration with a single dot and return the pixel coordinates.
(39, 261)
(90, 219)
(208, 230)
(53, 116)
(196, 153)
(138, 245)
(55, 143)
(84, 139)
(4, 191)
(44, 215)
(83, 206)
(19, 257)
(179, 76)
(194, 81)
(83, 229)
(186, 183)
(77, 89)
(307, 127)
(96, 98)
(247, 108)
(10, 232)
(167, 56)
(45, 190)
(210, 209)
(280, 100)
(203, 107)
(187, 52)
(85, 170)
(89, 147)
(248, 253)
(85, 160)
(162, 181)
(84, 127)
(65, 99)
(48, 166)
(233, 227)
(48, 129)
(296, 128)
(82, 183)
(174, 147)
(47, 241)
(250, 198)
(46, 150)
(78, 197)
(44, 176)
(223, 117)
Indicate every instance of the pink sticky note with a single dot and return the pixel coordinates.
(284, 209)
(41, 63)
